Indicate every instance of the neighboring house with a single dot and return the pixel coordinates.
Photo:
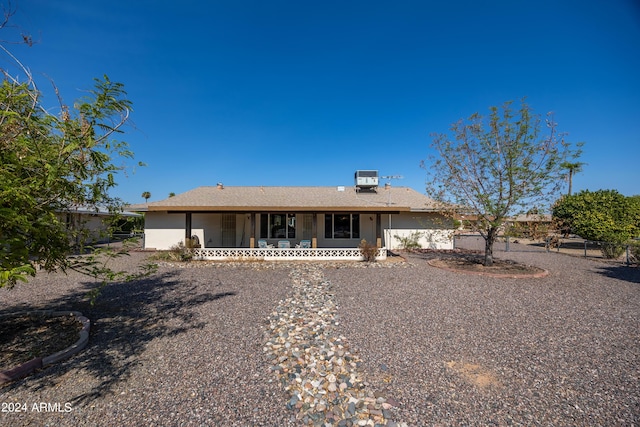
(327, 217)
(534, 226)
(94, 223)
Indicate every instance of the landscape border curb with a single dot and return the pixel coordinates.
(543, 273)
(26, 368)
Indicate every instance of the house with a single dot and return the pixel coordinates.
(531, 225)
(230, 221)
(96, 224)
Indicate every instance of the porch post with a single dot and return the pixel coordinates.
(252, 239)
(378, 230)
(314, 230)
(187, 227)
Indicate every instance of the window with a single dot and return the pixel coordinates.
(278, 226)
(342, 226)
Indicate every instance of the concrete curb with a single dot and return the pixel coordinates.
(40, 362)
(543, 273)
(20, 371)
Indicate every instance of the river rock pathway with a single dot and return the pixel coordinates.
(315, 365)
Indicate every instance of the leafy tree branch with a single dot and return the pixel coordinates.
(53, 164)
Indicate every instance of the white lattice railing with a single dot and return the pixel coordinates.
(280, 254)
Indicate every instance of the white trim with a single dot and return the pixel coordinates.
(277, 254)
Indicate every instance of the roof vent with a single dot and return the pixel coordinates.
(340, 187)
(366, 180)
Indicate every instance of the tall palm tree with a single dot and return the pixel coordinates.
(573, 168)
(146, 195)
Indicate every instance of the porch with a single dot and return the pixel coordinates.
(240, 230)
(283, 254)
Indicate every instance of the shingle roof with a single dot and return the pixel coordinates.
(100, 211)
(532, 218)
(240, 199)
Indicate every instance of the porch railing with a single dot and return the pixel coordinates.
(283, 254)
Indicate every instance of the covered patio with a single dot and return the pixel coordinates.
(281, 235)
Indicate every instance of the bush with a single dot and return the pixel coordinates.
(603, 215)
(612, 250)
(368, 251)
(181, 252)
(177, 252)
(553, 242)
(634, 253)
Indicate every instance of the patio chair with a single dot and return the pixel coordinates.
(284, 244)
(262, 244)
(305, 244)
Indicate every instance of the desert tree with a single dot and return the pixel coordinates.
(495, 167)
(146, 196)
(52, 164)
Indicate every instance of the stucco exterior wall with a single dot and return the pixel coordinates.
(203, 226)
(93, 225)
(163, 230)
(428, 230)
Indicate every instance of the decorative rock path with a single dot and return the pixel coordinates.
(314, 364)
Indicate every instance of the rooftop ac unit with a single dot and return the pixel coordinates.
(366, 180)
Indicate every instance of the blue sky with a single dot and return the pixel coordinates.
(307, 92)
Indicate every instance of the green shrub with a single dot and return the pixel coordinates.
(368, 251)
(604, 215)
(612, 250)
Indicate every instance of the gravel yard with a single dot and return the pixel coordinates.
(186, 347)
(457, 349)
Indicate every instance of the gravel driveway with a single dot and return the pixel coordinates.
(185, 348)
